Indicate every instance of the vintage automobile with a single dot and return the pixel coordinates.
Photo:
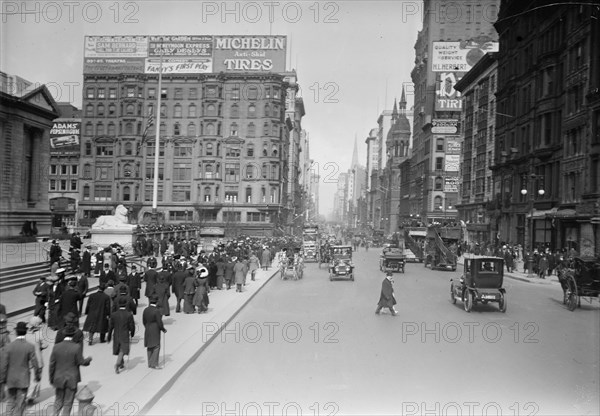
(481, 281)
(311, 252)
(341, 262)
(581, 278)
(392, 259)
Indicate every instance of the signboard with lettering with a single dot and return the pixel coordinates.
(446, 97)
(184, 54)
(64, 137)
(452, 163)
(453, 145)
(460, 56)
(451, 184)
(444, 126)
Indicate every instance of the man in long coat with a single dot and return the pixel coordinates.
(387, 299)
(17, 358)
(86, 262)
(123, 326)
(153, 324)
(178, 279)
(98, 312)
(134, 282)
(82, 286)
(41, 298)
(65, 360)
(150, 277)
(69, 302)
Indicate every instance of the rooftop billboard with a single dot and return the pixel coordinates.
(184, 54)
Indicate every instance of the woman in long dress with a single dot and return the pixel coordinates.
(201, 296)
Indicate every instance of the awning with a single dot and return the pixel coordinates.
(556, 213)
(542, 213)
(418, 233)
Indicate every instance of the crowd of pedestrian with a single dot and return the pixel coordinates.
(187, 273)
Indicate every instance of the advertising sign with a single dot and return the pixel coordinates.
(460, 56)
(64, 137)
(452, 163)
(446, 97)
(453, 145)
(184, 54)
(444, 126)
(451, 184)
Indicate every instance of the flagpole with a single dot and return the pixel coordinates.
(157, 141)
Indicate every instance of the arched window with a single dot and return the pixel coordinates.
(265, 151)
(235, 110)
(163, 110)
(207, 194)
(130, 109)
(267, 110)
(100, 110)
(89, 110)
(111, 129)
(177, 111)
(211, 110)
(248, 195)
(191, 129)
(250, 150)
(249, 171)
(437, 203)
(263, 194)
(112, 109)
(209, 149)
(129, 128)
(274, 151)
(128, 148)
(126, 193)
(176, 129)
(234, 129)
(251, 110)
(265, 171)
(266, 129)
(99, 129)
(86, 192)
(150, 110)
(192, 110)
(273, 198)
(276, 111)
(163, 129)
(439, 183)
(251, 130)
(210, 129)
(275, 130)
(208, 171)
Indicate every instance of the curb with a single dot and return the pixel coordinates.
(169, 383)
(535, 282)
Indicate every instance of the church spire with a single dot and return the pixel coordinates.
(395, 111)
(403, 101)
(355, 154)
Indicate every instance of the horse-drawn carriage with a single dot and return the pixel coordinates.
(481, 282)
(291, 264)
(580, 279)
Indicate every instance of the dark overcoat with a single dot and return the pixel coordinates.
(153, 324)
(86, 263)
(134, 281)
(178, 279)
(18, 357)
(150, 277)
(161, 289)
(65, 360)
(98, 312)
(68, 303)
(121, 327)
(387, 299)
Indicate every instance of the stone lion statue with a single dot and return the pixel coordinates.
(119, 220)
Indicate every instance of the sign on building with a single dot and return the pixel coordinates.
(460, 56)
(453, 145)
(184, 54)
(64, 137)
(444, 126)
(451, 184)
(446, 97)
(452, 163)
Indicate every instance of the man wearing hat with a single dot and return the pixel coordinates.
(86, 261)
(134, 282)
(18, 357)
(41, 297)
(150, 277)
(69, 301)
(71, 321)
(82, 286)
(387, 299)
(121, 323)
(178, 280)
(98, 313)
(34, 337)
(121, 285)
(65, 360)
(130, 305)
(153, 324)
(106, 274)
(55, 252)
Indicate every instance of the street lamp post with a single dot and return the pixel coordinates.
(529, 240)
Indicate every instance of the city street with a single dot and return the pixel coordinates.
(316, 347)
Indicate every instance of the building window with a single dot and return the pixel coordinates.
(130, 92)
(266, 129)
(235, 110)
(163, 93)
(181, 193)
(101, 94)
(149, 189)
(89, 110)
(208, 171)
(207, 194)
(231, 196)
(151, 93)
(263, 194)
(250, 150)
(274, 172)
(176, 129)
(232, 172)
(112, 110)
(182, 150)
(112, 93)
(273, 197)
(87, 171)
(99, 129)
(249, 171)
(178, 93)
(267, 110)
(127, 171)
(232, 150)
(88, 148)
(437, 203)
(265, 171)
(191, 129)
(163, 129)
(192, 111)
(182, 172)
(275, 130)
(100, 110)
(439, 144)
(111, 129)
(210, 129)
(177, 111)
(104, 150)
(251, 110)
(251, 130)
(274, 151)
(248, 195)
(209, 149)
(252, 92)
(211, 110)
(86, 192)
(129, 128)
(232, 216)
(52, 185)
(90, 93)
(102, 193)
(150, 172)
(234, 129)
(439, 183)
(193, 92)
(126, 193)
(439, 163)
(63, 185)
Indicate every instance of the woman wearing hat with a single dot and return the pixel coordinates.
(200, 299)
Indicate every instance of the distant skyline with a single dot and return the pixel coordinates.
(351, 57)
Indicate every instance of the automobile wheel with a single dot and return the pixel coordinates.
(502, 303)
(468, 301)
(452, 298)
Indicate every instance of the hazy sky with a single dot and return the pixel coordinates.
(344, 52)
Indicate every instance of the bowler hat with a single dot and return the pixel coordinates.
(153, 298)
(21, 328)
(122, 302)
(389, 274)
(70, 318)
(70, 330)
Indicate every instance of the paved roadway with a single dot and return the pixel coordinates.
(315, 347)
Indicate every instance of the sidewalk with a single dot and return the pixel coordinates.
(525, 277)
(137, 388)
